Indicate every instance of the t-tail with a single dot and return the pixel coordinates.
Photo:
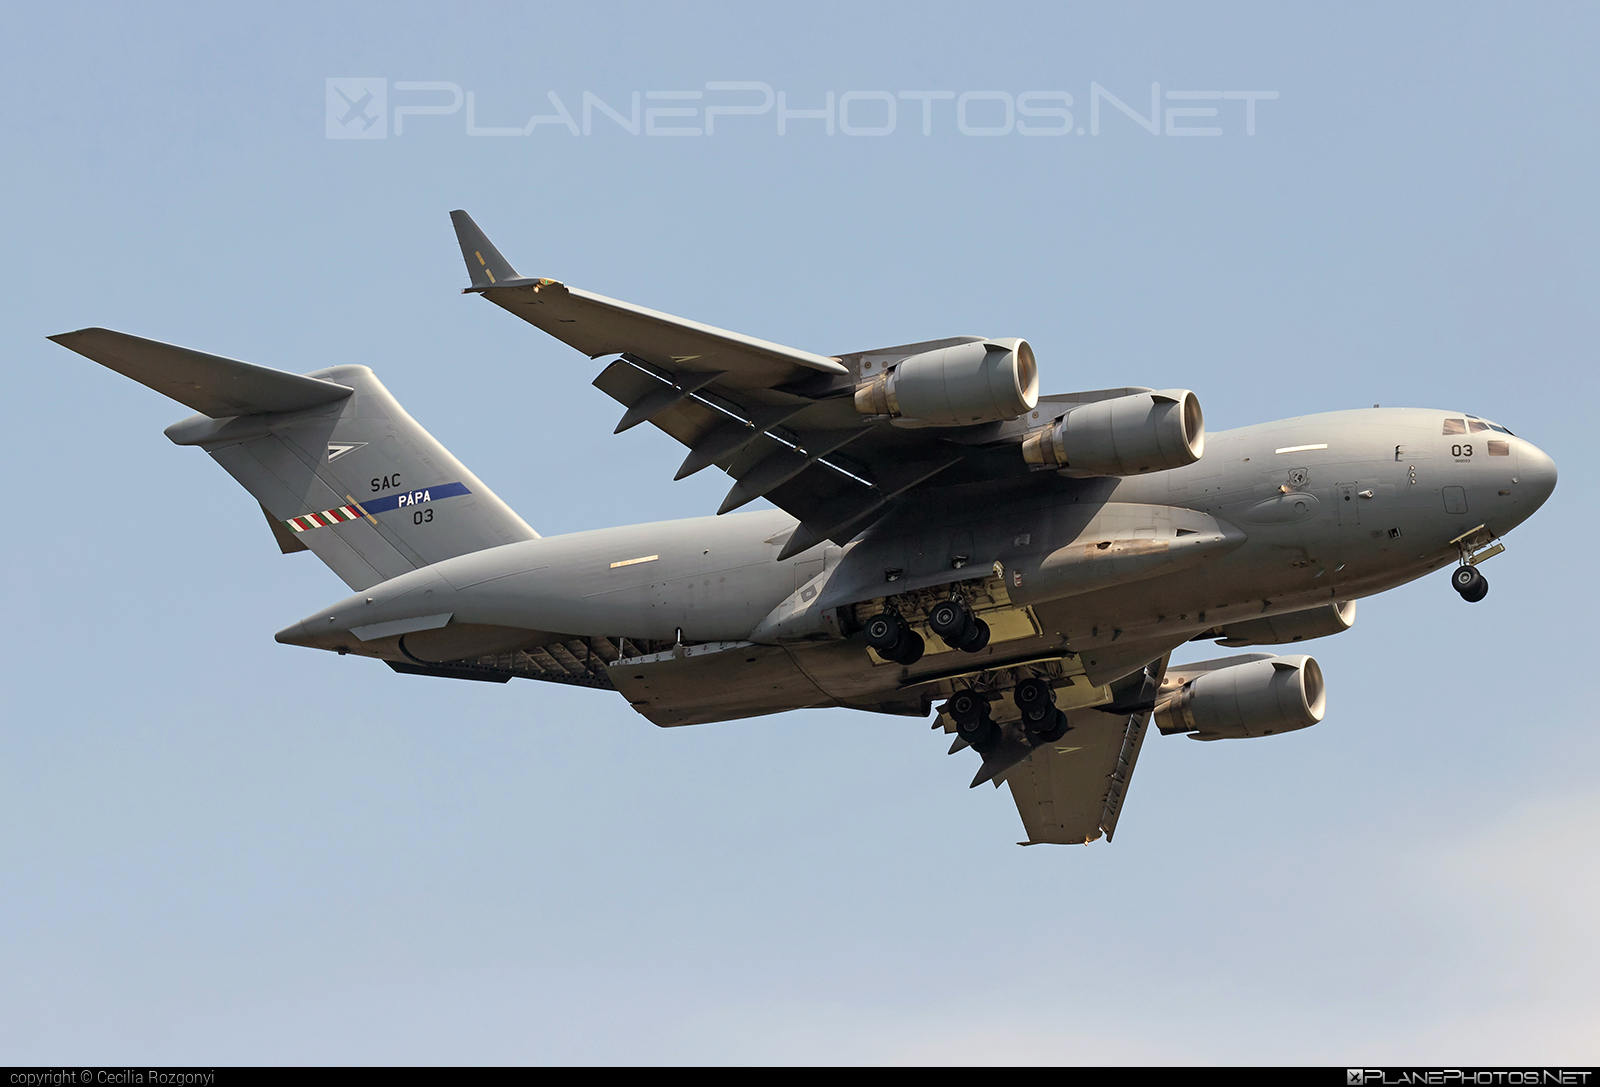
(337, 465)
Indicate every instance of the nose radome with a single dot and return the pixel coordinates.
(1536, 473)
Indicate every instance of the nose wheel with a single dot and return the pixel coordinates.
(1476, 546)
(1470, 583)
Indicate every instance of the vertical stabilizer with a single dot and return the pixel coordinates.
(338, 465)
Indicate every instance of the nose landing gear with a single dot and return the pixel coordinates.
(1470, 583)
(1476, 546)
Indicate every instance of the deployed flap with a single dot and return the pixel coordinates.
(210, 384)
(1070, 792)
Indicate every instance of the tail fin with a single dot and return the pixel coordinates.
(484, 263)
(331, 456)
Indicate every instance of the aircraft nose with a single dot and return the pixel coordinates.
(1536, 473)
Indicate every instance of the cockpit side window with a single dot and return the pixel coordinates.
(1477, 425)
(1455, 426)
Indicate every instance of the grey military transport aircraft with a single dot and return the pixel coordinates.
(944, 536)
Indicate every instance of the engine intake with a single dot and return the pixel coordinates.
(1123, 436)
(1258, 698)
(970, 383)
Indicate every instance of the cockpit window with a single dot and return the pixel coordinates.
(1475, 425)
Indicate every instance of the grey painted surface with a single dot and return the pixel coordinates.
(1086, 582)
(223, 850)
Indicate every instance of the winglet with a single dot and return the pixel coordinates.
(484, 263)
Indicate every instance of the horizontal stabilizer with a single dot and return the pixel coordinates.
(484, 263)
(210, 384)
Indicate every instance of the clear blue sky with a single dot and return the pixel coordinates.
(216, 849)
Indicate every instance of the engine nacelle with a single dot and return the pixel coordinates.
(1296, 626)
(1123, 436)
(970, 383)
(1258, 698)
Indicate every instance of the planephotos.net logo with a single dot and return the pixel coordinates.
(1455, 1077)
(373, 108)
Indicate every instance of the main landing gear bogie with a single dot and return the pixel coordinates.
(970, 711)
(1036, 702)
(893, 639)
(1470, 583)
(952, 620)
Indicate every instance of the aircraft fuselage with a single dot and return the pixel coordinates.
(1274, 518)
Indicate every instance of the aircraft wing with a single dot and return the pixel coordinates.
(1070, 792)
(782, 422)
(597, 325)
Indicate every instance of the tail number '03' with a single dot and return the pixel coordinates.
(1461, 450)
(422, 517)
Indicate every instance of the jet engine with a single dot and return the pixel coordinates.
(1123, 436)
(985, 382)
(1296, 626)
(1258, 698)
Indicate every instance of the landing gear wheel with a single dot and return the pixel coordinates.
(1058, 728)
(980, 733)
(1470, 583)
(885, 631)
(888, 634)
(970, 711)
(951, 620)
(1036, 701)
(965, 706)
(977, 637)
(910, 649)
